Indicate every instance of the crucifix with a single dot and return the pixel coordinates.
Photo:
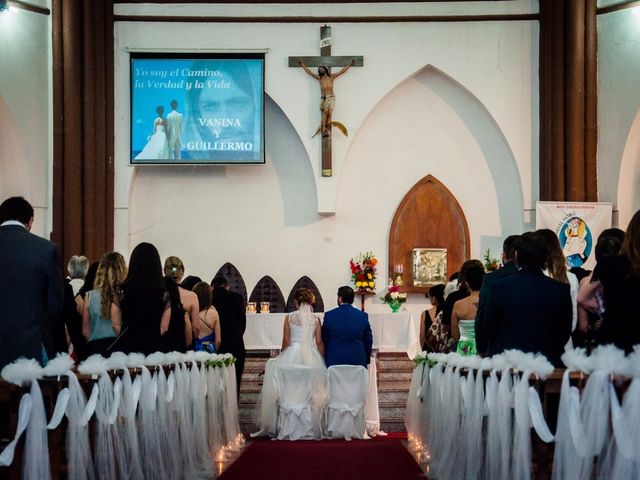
(324, 63)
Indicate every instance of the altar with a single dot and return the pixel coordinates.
(392, 332)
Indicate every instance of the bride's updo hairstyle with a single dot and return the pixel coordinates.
(304, 295)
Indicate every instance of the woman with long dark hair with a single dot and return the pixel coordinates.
(556, 268)
(433, 337)
(145, 306)
(620, 277)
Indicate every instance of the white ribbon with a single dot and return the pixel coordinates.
(60, 408)
(575, 423)
(91, 406)
(537, 417)
(24, 415)
(137, 388)
(624, 441)
(171, 387)
(117, 395)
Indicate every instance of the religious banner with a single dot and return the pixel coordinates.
(577, 225)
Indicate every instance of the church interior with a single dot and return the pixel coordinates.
(460, 119)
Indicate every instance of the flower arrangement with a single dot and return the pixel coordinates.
(490, 264)
(393, 297)
(363, 271)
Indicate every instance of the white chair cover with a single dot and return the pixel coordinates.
(298, 416)
(348, 387)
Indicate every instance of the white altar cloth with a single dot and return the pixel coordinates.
(392, 332)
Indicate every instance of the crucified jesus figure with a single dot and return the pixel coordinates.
(327, 98)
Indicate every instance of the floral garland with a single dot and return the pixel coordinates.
(363, 271)
(225, 361)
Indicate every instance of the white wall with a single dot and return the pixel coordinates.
(456, 100)
(618, 111)
(25, 111)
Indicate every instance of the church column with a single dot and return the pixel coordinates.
(83, 127)
(568, 94)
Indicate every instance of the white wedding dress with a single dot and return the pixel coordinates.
(302, 351)
(157, 148)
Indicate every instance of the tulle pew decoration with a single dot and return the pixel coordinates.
(32, 417)
(593, 430)
(449, 404)
(162, 416)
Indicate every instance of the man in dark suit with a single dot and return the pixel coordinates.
(233, 322)
(31, 294)
(529, 311)
(346, 333)
(508, 268)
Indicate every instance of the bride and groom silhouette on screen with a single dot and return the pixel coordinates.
(343, 338)
(165, 142)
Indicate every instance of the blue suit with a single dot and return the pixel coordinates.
(347, 337)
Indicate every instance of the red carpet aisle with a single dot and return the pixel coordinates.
(376, 459)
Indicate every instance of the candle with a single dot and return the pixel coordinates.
(400, 268)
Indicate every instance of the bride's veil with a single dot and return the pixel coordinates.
(308, 324)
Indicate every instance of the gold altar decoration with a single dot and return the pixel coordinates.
(429, 266)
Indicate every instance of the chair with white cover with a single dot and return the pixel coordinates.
(348, 387)
(298, 416)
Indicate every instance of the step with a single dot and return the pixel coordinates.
(394, 376)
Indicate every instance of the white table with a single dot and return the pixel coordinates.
(392, 332)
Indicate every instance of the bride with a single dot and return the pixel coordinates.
(301, 345)
(157, 148)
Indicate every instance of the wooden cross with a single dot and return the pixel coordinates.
(326, 60)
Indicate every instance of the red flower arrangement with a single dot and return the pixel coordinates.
(363, 271)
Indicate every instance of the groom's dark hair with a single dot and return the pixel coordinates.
(346, 294)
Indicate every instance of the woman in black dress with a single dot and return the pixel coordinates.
(145, 306)
(620, 277)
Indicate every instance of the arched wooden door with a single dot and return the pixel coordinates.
(429, 216)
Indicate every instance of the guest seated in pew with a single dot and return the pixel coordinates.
(463, 317)
(99, 324)
(529, 311)
(145, 307)
(209, 337)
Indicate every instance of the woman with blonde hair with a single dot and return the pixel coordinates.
(100, 317)
(185, 321)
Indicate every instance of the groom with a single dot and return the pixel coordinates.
(174, 131)
(346, 333)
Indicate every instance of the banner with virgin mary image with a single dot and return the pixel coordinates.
(578, 225)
